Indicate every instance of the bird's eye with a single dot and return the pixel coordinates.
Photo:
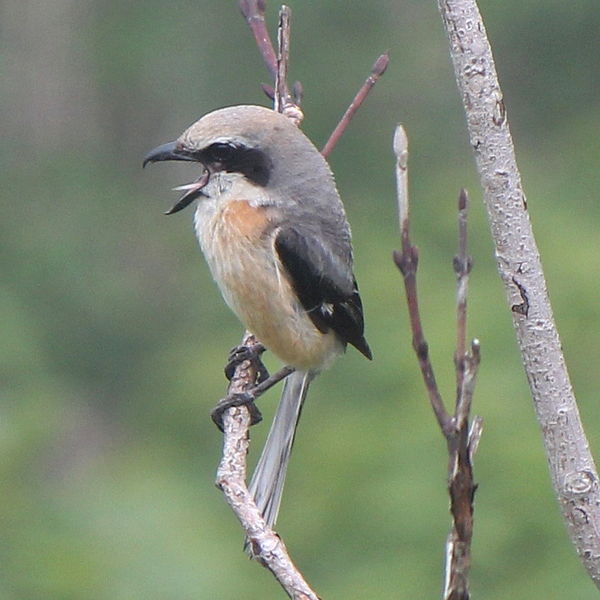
(221, 152)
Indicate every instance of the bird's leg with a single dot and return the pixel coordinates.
(269, 382)
(247, 398)
(252, 353)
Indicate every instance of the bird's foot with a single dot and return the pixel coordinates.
(236, 399)
(241, 353)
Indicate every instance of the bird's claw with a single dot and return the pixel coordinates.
(236, 399)
(241, 353)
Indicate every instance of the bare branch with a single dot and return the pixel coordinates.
(461, 440)
(254, 13)
(283, 58)
(267, 547)
(283, 103)
(462, 267)
(264, 544)
(377, 71)
(572, 468)
(407, 260)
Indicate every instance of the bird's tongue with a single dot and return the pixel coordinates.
(192, 191)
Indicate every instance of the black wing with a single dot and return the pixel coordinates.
(324, 287)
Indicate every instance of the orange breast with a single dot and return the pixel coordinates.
(239, 249)
(243, 218)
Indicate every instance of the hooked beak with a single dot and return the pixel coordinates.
(171, 151)
(168, 151)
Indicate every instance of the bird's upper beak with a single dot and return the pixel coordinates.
(168, 151)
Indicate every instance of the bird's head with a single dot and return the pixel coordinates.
(262, 145)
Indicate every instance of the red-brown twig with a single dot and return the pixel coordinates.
(254, 13)
(462, 267)
(461, 441)
(407, 260)
(377, 71)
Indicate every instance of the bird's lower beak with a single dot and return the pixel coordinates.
(171, 151)
(168, 151)
(192, 191)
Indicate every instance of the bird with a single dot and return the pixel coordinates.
(275, 235)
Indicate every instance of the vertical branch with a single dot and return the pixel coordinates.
(462, 268)
(407, 261)
(461, 441)
(282, 102)
(283, 58)
(573, 472)
(461, 484)
(267, 547)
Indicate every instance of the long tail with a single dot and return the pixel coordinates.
(269, 475)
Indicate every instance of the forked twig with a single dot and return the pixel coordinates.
(461, 441)
(277, 64)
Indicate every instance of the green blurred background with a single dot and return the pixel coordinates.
(114, 337)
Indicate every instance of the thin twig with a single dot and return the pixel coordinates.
(461, 449)
(407, 260)
(462, 267)
(572, 468)
(266, 546)
(283, 58)
(254, 13)
(377, 71)
(461, 439)
(282, 101)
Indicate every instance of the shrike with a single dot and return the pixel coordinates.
(274, 233)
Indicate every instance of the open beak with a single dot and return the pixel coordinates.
(170, 151)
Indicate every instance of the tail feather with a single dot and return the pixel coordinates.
(269, 476)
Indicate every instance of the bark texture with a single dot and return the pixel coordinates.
(572, 468)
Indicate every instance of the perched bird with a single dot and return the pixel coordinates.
(274, 233)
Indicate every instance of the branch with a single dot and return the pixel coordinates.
(571, 464)
(407, 261)
(267, 547)
(283, 103)
(277, 65)
(377, 71)
(461, 440)
(254, 13)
